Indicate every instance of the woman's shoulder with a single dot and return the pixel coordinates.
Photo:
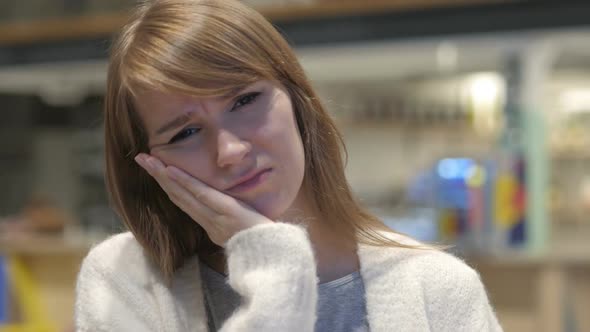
(420, 261)
(440, 277)
(115, 250)
(452, 292)
(120, 256)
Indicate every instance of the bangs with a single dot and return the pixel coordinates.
(195, 76)
(210, 56)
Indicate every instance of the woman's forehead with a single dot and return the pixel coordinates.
(151, 103)
(161, 102)
(157, 97)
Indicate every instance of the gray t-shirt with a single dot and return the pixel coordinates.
(341, 302)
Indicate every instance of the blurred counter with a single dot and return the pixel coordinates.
(548, 291)
(49, 266)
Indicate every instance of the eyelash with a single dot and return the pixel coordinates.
(242, 101)
(183, 134)
(245, 100)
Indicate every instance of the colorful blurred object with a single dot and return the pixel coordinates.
(479, 204)
(3, 292)
(28, 304)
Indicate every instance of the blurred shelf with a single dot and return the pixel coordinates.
(41, 245)
(568, 247)
(90, 26)
(578, 155)
(102, 25)
(566, 257)
(327, 8)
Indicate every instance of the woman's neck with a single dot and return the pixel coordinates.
(335, 255)
(216, 261)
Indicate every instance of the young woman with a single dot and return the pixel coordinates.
(228, 173)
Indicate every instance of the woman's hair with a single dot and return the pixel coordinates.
(212, 48)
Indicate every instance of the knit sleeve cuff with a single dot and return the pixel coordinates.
(270, 246)
(273, 268)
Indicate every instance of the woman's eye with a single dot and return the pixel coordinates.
(185, 133)
(245, 100)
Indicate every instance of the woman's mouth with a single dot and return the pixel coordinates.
(250, 181)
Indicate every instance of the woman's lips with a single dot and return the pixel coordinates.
(251, 182)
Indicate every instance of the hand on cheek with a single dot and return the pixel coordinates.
(219, 214)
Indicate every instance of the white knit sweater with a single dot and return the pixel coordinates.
(273, 267)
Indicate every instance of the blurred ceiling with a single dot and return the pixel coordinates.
(388, 46)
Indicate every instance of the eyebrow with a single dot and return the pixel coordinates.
(186, 117)
(174, 123)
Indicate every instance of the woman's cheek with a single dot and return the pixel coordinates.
(188, 160)
(268, 131)
(169, 157)
(172, 154)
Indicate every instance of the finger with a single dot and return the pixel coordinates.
(198, 211)
(148, 163)
(214, 199)
(173, 175)
(141, 160)
(154, 167)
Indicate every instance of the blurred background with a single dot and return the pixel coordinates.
(467, 122)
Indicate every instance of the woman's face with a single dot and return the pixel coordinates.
(246, 145)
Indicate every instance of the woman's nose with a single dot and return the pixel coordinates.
(231, 149)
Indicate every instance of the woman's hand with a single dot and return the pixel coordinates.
(219, 214)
